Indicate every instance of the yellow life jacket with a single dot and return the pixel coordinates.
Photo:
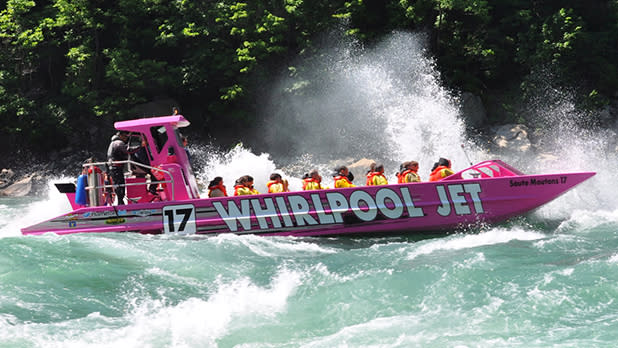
(410, 176)
(311, 184)
(274, 186)
(375, 179)
(242, 190)
(342, 182)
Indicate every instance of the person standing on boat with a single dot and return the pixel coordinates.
(441, 170)
(409, 173)
(216, 188)
(313, 181)
(244, 186)
(376, 176)
(277, 184)
(118, 150)
(343, 178)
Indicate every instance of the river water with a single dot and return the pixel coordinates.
(549, 278)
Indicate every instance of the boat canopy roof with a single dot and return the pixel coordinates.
(139, 124)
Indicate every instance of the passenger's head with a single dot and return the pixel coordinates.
(247, 180)
(315, 175)
(124, 135)
(412, 165)
(379, 168)
(275, 177)
(341, 170)
(216, 181)
(404, 165)
(444, 162)
(372, 167)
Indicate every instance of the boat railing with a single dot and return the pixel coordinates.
(130, 162)
(486, 169)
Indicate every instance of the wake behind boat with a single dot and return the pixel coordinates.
(487, 192)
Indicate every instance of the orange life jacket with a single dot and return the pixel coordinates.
(438, 173)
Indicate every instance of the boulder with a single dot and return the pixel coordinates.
(362, 165)
(6, 177)
(20, 188)
(512, 138)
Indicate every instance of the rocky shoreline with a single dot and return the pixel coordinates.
(31, 179)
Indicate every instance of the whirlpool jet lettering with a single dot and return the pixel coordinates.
(297, 210)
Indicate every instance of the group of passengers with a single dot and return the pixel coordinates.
(408, 173)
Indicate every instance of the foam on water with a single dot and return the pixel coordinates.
(16, 216)
(471, 241)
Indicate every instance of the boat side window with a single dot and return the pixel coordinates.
(160, 137)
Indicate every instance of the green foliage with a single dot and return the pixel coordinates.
(65, 62)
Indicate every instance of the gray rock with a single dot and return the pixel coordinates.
(20, 188)
(512, 138)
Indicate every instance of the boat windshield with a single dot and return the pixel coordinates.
(160, 137)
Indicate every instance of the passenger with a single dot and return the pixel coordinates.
(343, 177)
(441, 170)
(216, 188)
(277, 184)
(370, 172)
(377, 176)
(118, 151)
(185, 143)
(313, 181)
(244, 186)
(142, 156)
(409, 173)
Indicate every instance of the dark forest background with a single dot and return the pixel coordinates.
(69, 68)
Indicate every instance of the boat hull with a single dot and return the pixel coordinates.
(399, 208)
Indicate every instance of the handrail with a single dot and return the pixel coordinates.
(109, 163)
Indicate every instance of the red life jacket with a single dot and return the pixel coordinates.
(370, 176)
(220, 187)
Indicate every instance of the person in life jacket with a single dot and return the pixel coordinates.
(216, 188)
(408, 173)
(369, 175)
(376, 177)
(343, 177)
(244, 186)
(441, 170)
(313, 181)
(118, 151)
(277, 184)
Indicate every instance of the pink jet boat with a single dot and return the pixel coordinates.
(487, 192)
